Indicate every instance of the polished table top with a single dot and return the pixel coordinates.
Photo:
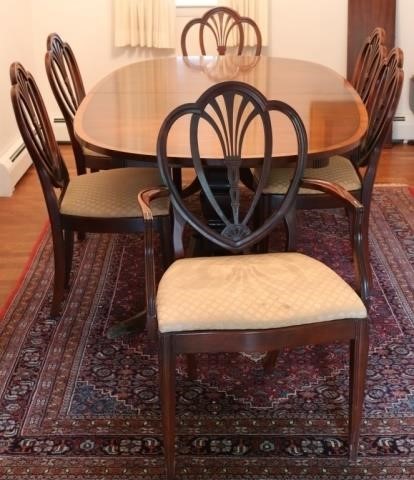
(122, 114)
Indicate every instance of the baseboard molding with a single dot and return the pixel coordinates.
(60, 130)
(13, 164)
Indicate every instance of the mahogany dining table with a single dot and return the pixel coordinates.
(122, 114)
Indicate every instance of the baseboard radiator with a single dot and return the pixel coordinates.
(13, 164)
(15, 161)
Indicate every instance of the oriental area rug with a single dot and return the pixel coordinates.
(76, 405)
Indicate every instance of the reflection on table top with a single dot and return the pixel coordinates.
(122, 114)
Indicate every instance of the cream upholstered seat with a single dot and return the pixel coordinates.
(111, 193)
(339, 171)
(92, 153)
(252, 291)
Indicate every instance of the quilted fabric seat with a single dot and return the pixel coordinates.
(111, 193)
(251, 292)
(339, 171)
(91, 153)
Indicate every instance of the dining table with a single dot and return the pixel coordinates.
(122, 114)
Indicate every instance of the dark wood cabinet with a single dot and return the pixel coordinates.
(363, 17)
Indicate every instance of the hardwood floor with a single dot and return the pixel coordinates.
(23, 215)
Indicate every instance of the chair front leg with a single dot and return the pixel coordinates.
(167, 389)
(358, 366)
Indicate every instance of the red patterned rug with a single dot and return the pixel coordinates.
(74, 404)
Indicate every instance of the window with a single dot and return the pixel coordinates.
(195, 3)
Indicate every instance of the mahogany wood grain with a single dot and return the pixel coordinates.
(122, 114)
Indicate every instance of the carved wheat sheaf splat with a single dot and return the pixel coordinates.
(226, 26)
(230, 116)
(221, 25)
(232, 112)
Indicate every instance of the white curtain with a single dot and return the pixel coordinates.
(144, 23)
(257, 10)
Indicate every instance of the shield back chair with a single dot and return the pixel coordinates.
(244, 302)
(104, 201)
(341, 171)
(226, 27)
(68, 89)
(223, 24)
(368, 62)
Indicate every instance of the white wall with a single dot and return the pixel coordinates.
(311, 30)
(405, 40)
(16, 44)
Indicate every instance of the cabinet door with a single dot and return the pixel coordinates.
(363, 17)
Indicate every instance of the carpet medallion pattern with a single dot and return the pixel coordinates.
(74, 404)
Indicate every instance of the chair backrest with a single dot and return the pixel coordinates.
(381, 107)
(67, 86)
(224, 23)
(36, 130)
(369, 61)
(232, 112)
(382, 103)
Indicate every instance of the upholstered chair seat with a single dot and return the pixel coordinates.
(91, 153)
(111, 193)
(239, 292)
(339, 171)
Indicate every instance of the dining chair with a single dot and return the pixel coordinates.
(104, 201)
(68, 89)
(226, 27)
(357, 179)
(222, 23)
(369, 60)
(246, 302)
